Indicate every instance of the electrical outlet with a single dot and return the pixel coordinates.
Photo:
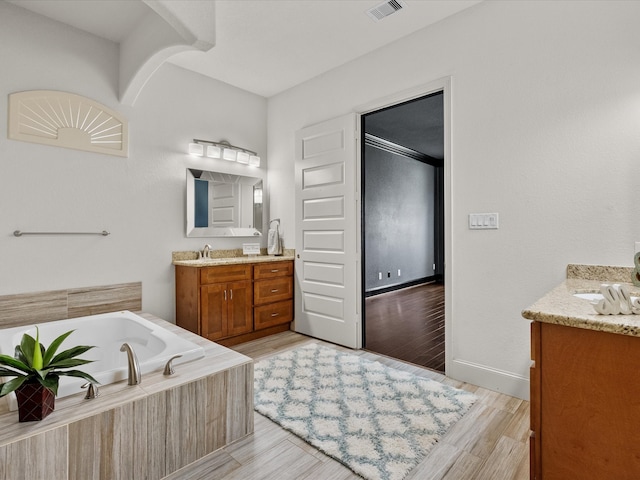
(399, 272)
(388, 274)
(379, 275)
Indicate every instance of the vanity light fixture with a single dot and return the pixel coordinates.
(196, 149)
(243, 157)
(213, 151)
(229, 154)
(224, 150)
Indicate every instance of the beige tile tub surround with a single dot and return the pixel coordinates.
(134, 432)
(39, 307)
(560, 307)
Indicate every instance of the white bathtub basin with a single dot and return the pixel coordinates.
(153, 345)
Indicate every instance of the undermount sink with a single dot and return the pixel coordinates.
(594, 296)
(589, 296)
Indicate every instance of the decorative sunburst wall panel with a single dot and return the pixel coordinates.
(67, 120)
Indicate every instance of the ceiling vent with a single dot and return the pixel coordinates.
(385, 9)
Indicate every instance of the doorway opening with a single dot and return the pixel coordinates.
(403, 242)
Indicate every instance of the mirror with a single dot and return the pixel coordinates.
(223, 204)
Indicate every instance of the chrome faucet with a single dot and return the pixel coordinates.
(205, 251)
(134, 367)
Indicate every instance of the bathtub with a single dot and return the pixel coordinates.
(153, 345)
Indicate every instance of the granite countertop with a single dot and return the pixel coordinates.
(226, 257)
(559, 306)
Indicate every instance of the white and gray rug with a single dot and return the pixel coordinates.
(378, 421)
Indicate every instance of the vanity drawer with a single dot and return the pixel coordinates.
(272, 314)
(225, 273)
(275, 290)
(273, 269)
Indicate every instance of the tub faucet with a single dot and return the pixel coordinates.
(205, 251)
(134, 367)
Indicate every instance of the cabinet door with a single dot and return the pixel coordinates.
(225, 273)
(270, 270)
(274, 290)
(213, 311)
(239, 318)
(273, 314)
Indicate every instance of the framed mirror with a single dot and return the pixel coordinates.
(223, 204)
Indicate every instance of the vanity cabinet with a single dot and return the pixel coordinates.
(273, 294)
(585, 404)
(234, 303)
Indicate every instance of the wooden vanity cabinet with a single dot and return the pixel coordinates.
(230, 304)
(225, 309)
(273, 294)
(585, 404)
(224, 301)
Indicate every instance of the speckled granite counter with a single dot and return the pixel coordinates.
(559, 306)
(227, 257)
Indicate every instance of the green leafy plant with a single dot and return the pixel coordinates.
(32, 362)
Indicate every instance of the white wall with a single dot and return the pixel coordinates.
(140, 199)
(545, 131)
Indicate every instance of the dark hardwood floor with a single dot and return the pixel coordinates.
(408, 324)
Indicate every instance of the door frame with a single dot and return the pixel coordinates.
(442, 84)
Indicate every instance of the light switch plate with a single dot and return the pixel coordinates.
(251, 248)
(483, 221)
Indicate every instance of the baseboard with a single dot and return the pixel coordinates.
(487, 377)
(398, 286)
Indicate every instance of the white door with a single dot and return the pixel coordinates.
(327, 263)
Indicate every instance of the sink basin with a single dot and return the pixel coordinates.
(593, 296)
(589, 296)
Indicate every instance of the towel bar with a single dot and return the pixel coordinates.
(19, 233)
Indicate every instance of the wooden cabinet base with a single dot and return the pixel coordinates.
(585, 404)
(231, 304)
(247, 337)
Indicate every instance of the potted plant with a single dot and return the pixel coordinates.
(37, 371)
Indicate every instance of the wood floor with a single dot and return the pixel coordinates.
(489, 443)
(408, 324)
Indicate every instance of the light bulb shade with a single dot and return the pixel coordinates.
(254, 160)
(229, 154)
(213, 151)
(196, 149)
(243, 157)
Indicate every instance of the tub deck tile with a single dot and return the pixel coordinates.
(138, 432)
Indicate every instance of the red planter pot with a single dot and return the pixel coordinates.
(35, 402)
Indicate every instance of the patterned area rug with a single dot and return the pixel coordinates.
(378, 421)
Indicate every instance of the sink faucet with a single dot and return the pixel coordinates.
(205, 251)
(134, 367)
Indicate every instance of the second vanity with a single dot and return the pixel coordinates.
(231, 300)
(585, 388)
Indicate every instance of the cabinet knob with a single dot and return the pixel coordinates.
(275, 314)
(275, 271)
(274, 291)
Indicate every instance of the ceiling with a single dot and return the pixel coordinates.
(264, 46)
(418, 125)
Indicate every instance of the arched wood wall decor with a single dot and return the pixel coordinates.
(67, 120)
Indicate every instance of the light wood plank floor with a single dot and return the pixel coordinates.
(489, 443)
